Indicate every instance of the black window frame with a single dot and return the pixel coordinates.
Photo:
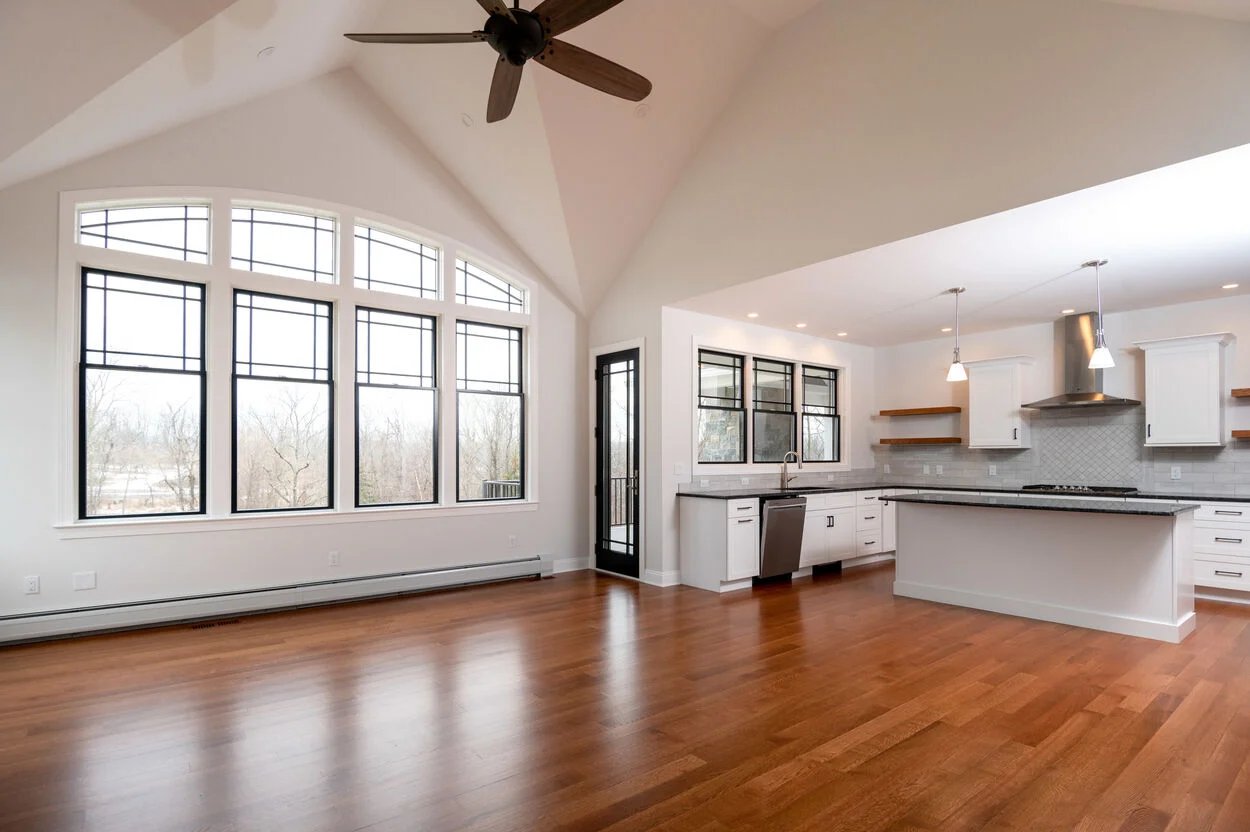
(834, 376)
(84, 366)
(517, 296)
(234, 401)
(758, 406)
(331, 273)
(520, 394)
(433, 321)
(740, 367)
(101, 231)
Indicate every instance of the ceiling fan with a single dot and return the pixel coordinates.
(519, 35)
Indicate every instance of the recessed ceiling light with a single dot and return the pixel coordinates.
(1230, 285)
(946, 329)
(466, 119)
(265, 53)
(801, 326)
(642, 110)
(841, 334)
(1066, 311)
(753, 314)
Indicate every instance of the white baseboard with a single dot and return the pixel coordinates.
(1124, 625)
(120, 616)
(655, 577)
(570, 564)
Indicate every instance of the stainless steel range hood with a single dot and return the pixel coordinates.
(1082, 387)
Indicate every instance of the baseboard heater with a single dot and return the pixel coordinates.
(61, 623)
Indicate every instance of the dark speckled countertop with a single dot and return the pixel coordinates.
(770, 493)
(1046, 504)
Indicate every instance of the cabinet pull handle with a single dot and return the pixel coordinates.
(1228, 540)
(745, 508)
(1015, 433)
(1147, 430)
(829, 521)
(1224, 574)
(747, 520)
(1229, 513)
(870, 543)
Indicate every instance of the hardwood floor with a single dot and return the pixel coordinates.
(588, 703)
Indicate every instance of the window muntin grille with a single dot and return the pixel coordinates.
(174, 231)
(387, 262)
(477, 287)
(283, 243)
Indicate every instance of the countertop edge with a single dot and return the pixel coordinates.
(1045, 504)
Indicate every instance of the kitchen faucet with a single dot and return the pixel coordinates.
(785, 479)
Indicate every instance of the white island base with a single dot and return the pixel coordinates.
(1123, 573)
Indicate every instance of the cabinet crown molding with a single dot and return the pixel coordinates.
(1221, 338)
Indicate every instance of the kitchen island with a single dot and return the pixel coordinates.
(1120, 566)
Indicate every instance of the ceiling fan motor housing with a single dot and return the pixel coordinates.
(516, 42)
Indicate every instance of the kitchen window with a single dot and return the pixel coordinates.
(721, 411)
(490, 413)
(283, 389)
(822, 428)
(772, 410)
(141, 396)
(396, 409)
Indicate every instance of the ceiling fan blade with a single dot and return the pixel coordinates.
(503, 90)
(559, 16)
(593, 71)
(497, 7)
(396, 37)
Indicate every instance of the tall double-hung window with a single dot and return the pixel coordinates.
(822, 429)
(722, 412)
(490, 413)
(141, 396)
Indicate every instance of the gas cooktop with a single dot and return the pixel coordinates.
(1091, 490)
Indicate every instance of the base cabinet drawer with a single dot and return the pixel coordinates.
(1222, 541)
(747, 507)
(869, 518)
(868, 498)
(1228, 575)
(1223, 512)
(868, 543)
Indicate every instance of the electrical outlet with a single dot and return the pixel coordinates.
(30, 585)
(926, 469)
(746, 480)
(939, 470)
(1176, 472)
(334, 559)
(705, 482)
(84, 580)
(993, 470)
(886, 468)
(832, 477)
(511, 541)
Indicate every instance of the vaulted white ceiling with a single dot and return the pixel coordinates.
(576, 178)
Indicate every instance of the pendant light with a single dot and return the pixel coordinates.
(957, 371)
(1101, 359)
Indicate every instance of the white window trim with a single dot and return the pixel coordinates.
(756, 469)
(220, 280)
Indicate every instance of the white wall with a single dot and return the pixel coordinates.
(327, 140)
(682, 332)
(914, 375)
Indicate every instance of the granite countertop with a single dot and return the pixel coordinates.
(1046, 504)
(772, 493)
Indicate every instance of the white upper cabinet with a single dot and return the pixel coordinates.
(1185, 389)
(995, 393)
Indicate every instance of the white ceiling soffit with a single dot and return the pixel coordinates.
(1172, 235)
(213, 67)
(1224, 9)
(57, 54)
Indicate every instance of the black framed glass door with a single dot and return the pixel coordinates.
(617, 462)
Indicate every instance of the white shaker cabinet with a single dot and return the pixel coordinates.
(995, 393)
(720, 542)
(828, 529)
(1185, 389)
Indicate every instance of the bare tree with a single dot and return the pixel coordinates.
(179, 433)
(283, 450)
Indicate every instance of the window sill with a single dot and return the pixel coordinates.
(87, 529)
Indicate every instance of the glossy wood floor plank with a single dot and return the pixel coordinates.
(588, 703)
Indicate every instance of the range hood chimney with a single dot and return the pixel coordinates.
(1082, 387)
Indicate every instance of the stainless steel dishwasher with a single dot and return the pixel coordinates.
(781, 535)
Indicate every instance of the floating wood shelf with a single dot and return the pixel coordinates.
(928, 411)
(922, 440)
(1241, 434)
(1241, 392)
